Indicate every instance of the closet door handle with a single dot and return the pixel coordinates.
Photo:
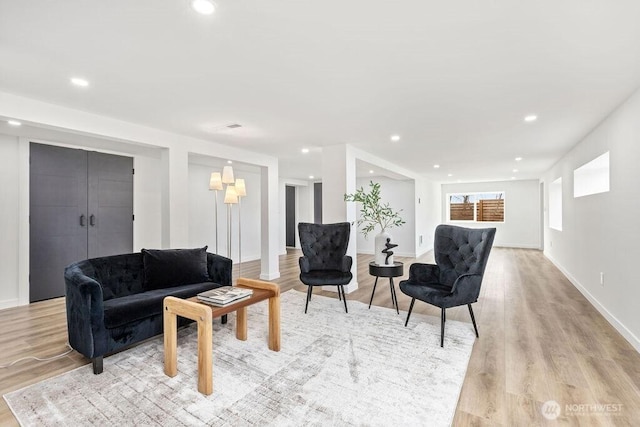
(83, 221)
(92, 220)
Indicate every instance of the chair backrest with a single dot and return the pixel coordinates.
(325, 245)
(460, 250)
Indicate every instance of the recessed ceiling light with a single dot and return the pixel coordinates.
(436, 166)
(310, 176)
(518, 159)
(450, 174)
(305, 150)
(395, 138)
(371, 171)
(79, 82)
(515, 170)
(229, 162)
(203, 7)
(14, 123)
(513, 177)
(531, 118)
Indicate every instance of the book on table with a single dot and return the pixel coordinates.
(224, 295)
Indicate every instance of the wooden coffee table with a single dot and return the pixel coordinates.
(204, 314)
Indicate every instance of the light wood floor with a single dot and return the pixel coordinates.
(540, 340)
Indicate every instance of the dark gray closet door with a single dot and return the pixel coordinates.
(110, 204)
(58, 217)
(290, 216)
(317, 202)
(81, 206)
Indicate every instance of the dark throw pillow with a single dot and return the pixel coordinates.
(166, 268)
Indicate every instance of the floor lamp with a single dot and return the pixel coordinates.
(215, 184)
(230, 198)
(228, 179)
(241, 191)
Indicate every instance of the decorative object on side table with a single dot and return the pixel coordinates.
(373, 214)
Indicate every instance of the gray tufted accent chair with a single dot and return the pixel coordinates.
(461, 257)
(325, 262)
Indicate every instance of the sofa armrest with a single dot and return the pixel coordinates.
(466, 288)
(347, 261)
(85, 312)
(220, 269)
(424, 273)
(304, 264)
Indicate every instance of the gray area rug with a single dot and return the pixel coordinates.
(361, 368)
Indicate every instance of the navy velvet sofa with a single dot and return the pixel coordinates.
(116, 301)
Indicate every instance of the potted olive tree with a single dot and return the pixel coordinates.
(376, 215)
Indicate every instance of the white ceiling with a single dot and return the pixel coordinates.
(453, 78)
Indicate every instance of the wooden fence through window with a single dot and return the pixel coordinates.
(487, 210)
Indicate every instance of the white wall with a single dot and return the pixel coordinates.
(427, 216)
(9, 192)
(521, 226)
(202, 214)
(161, 203)
(147, 228)
(400, 196)
(600, 232)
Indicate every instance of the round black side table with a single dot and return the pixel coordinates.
(394, 270)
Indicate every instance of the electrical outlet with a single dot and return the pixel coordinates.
(601, 278)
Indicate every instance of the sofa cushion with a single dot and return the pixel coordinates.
(165, 268)
(120, 311)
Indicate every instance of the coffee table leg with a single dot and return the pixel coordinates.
(201, 314)
(170, 343)
(205, 353)
(274, 311)
(274, 323)
(241, 324)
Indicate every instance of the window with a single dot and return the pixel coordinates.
(555, 204)
(476, 207)
(592, 177)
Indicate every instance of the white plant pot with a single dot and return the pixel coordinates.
(379, 244)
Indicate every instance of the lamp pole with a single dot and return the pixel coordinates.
(241, 191)
(215, 184)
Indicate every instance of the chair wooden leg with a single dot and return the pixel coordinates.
(413, 300)
(344, 297)
(443, 319)
(473, 320)
(309, 288)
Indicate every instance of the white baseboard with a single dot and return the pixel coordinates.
(352, 286)
(517, 246)
(272, 276)
(619, 326)
(9, 303)
(400, 254)
(424, 251)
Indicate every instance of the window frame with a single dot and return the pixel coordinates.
(593, 177)
(475, 207)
